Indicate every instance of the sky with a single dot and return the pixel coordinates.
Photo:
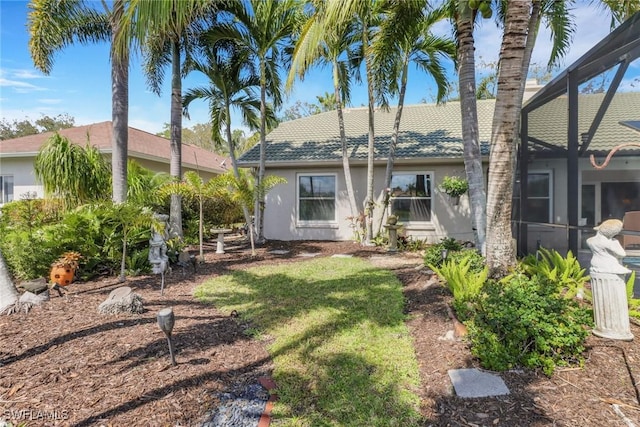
(80, 83)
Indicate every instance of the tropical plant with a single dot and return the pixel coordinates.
(523, 321)
(556, 268)
(454, 186)
(53, 25)
(72, 173)
(193, 186)
(245, 191)
(231, 87)
(265, 28)
(144, 185)
(322, 44)
(405, 37)
(165, 29)
(121, 221)
(464, 283)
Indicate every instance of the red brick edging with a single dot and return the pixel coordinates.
(270, 386)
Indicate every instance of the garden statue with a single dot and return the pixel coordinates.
(158, 247)
(610, 305)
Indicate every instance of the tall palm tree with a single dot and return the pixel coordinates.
(329, 45)
(265, 28)
(405, 37)
(231, 86)
(55, 24)
(500, 254)
(164, 29)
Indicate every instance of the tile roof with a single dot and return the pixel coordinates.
(426, 130)
(141, 145)
(435, 131)
(549, 122)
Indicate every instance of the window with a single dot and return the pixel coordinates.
(6, 188)
(411, 196)
(538, 205)
(316, 198)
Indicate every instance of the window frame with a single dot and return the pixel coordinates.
(3, 195)
(549, 197)
(431, 198)
(306, 222)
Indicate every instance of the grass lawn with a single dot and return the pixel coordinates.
(335, 330)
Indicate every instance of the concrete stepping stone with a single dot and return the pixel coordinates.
(309, 254)
(476, 383)
(342, 256)
(279, 252)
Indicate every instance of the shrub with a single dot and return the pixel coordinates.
(433, 254)
(565, 271)
(463, 281)
(525, 321)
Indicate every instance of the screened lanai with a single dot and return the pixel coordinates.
(588, 109)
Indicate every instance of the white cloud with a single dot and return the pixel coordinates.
(20, 87)
(27, 74)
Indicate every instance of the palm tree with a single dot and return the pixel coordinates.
(194, 187)
(405, 37)
(231, 87)
(164, 29)
(500, 254)
(321, 44)
(266, 29)
(53, 25)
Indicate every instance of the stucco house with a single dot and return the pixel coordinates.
(150, 151)
(313, 204)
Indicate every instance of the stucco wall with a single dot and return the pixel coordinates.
(281, 222)
(24, 179)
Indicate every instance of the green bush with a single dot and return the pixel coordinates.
(433, 254)
(566, 271)
(525, 321)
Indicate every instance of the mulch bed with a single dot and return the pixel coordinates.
(64, 364)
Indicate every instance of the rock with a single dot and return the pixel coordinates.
(122, 300)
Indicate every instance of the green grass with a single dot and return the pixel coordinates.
(335, 327)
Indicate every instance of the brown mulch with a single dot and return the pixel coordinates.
(64, 364)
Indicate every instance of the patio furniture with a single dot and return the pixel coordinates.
(630, 222)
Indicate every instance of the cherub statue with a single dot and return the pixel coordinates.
(607, 251)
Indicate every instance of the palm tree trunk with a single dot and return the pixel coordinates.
(259, 208)
(343, 139)
(500, 254)
(175, 211)
(369, 202)
(394, 136)
(469, 114)
(8, 292)
(234, 163)
(119, 110)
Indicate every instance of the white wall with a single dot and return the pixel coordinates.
(281, 215)
(24, 179)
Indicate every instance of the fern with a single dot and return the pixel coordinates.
(465, 285)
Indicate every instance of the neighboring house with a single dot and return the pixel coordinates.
(313, 204)
(150, 151)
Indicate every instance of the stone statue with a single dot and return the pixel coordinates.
(610, 305)
(157, 246)
(607, 251)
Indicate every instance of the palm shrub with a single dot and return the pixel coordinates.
(526, 321)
